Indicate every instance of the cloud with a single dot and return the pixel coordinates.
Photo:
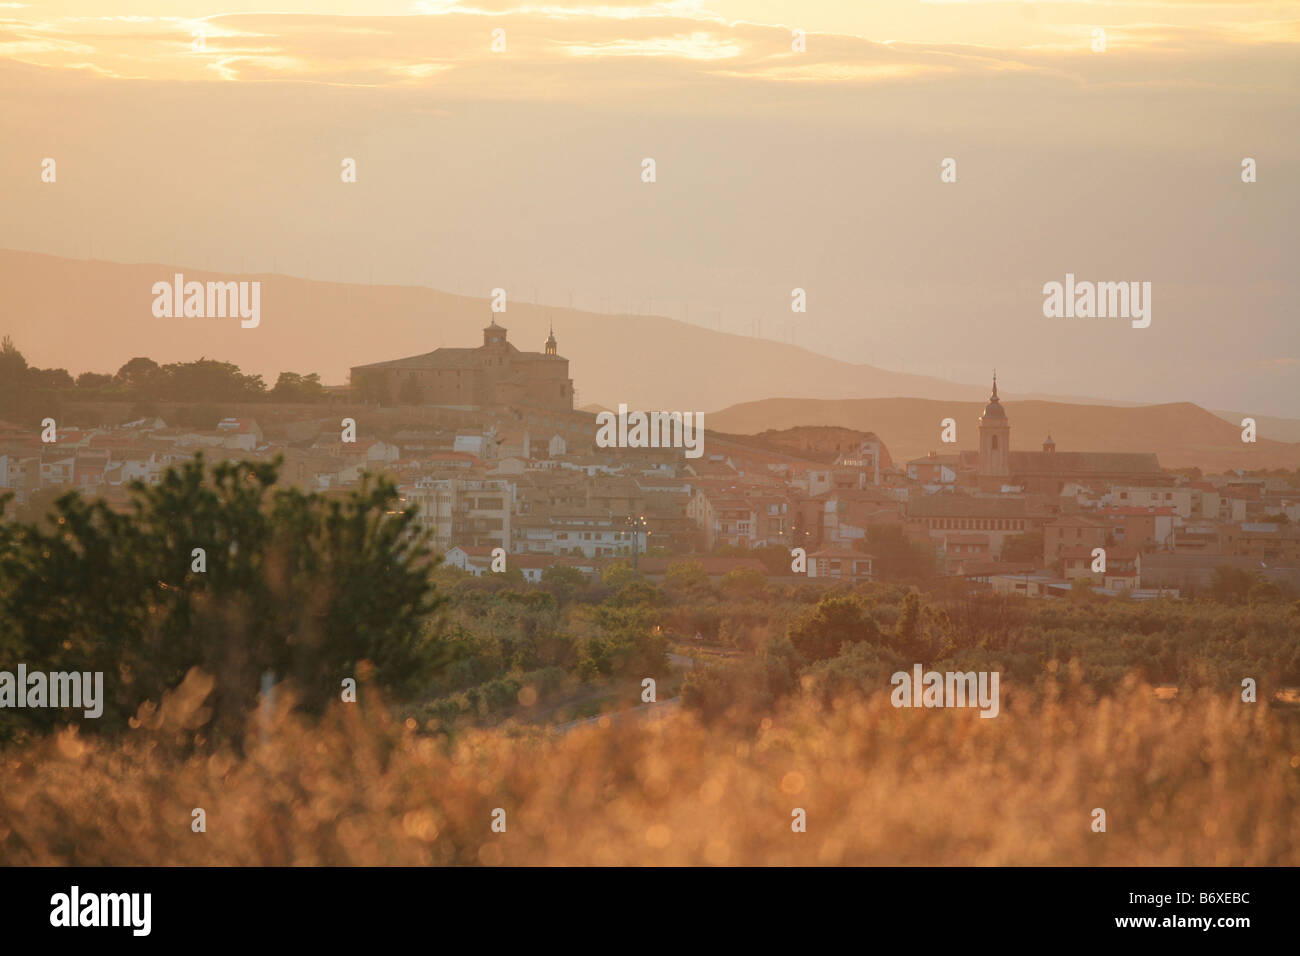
(557, 49)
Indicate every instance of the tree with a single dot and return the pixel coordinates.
(907, 629)
(138, 373)
(898, 558)
(1265, 592)
(743, 690)
(208, 380)
(13, 364)
(564, 582)
(834, 622)
(639, 592)
(617, 574)
(744, 582)
(296, 583)
(49, 378)
(24, 399)
(292, 387)
(1231, 585)
(93, 380)
(686, 576)
(1081, 589)
(1024, 548)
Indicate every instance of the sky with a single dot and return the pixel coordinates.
(212, 135)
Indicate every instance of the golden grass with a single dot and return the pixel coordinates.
(1201, 780)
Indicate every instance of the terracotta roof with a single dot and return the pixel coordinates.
(1082, 462)
(1077, 521)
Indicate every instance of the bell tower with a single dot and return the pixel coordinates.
(494, 335)
(995, 437)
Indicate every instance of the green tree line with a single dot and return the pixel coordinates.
(216, 568)
(28, 393)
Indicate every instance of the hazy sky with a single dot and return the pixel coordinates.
(214, 139)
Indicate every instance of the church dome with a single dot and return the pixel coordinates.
(994, 409)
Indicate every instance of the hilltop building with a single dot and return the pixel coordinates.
(495, 373)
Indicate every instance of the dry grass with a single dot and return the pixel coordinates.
(1198, 780)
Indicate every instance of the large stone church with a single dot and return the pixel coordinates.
(1049, 470)
(495, 373)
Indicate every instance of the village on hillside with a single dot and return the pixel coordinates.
(485, 444)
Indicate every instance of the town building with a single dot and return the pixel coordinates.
(495, 373)
(1050, 471)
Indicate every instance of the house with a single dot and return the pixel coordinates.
(1029, 585)
(1001, 516)
(1072, 531)
(933, 469)
(467, 511)
(840, 564)
(959, 548)
(1121, 566)
(477, 560)
(242, 434)
(1150, 528)
(741, 520)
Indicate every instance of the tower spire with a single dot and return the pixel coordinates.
(995, 385)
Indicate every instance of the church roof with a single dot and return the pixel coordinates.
(459, 358)
(438, 358)
(1059, 463)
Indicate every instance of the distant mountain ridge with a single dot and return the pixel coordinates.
(92, 315)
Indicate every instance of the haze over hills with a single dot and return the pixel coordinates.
(311, 326)
(1181, 434)
(92, 315)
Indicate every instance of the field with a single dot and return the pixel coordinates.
(1204, 779)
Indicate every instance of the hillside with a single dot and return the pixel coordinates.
(643, 361)
(326, 327)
